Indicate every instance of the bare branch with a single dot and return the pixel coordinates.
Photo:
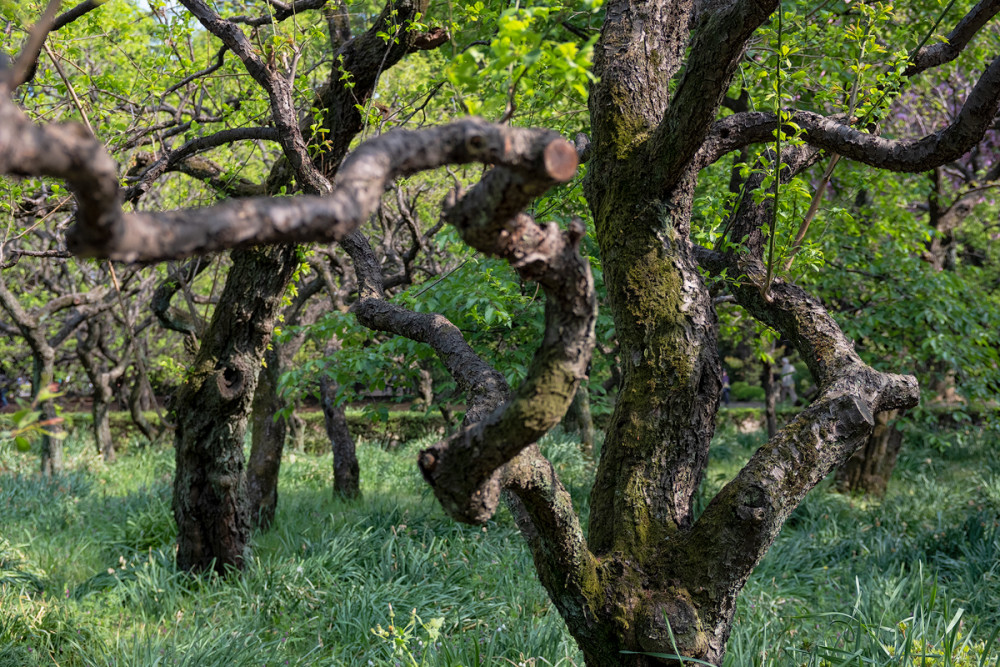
(219, 59)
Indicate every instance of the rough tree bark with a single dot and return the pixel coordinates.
(364, 57)
(212, 408)
(269, 429)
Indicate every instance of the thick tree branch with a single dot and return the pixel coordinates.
(101, 229)
(717, 46)
(462, 469)
(484, 387)
(911, 155)
(940, 53)
(743, 520)
(283, 11)
(543, 510)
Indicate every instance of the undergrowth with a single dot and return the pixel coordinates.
(87, 575)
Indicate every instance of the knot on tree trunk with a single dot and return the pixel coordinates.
(668, 624)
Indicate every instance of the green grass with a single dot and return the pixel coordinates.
(87, 576)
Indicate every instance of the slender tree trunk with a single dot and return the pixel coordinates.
(101, 411)
(269, 431)
(346, 472)
(425, 386)
(297, 431)
(212, 409)
(869, 469)
(103, 393)
(42, 376)
(43, 359)
(136, 404)
(770, 398)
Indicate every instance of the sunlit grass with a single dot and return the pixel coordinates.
(87, 575)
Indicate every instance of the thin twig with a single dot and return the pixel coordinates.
(69, 87)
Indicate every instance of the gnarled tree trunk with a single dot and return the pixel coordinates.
(212, 408)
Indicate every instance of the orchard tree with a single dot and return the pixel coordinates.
(648, 578)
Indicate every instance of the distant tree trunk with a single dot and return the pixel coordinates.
(213, 406)
(43, 362)
(869, 469)
(297, 431)
(770, 398)
(269, 431)
(101, 399)
(135, 405)
(103, 392)
(52, 449)
(102, 428)
(578, 420)
(425, 387)
(346, 472)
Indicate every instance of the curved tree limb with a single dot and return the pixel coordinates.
(719, 41)
(188, 323)
(911, 155)
(743, 520)
(102, 230)
(933, 55)
(282, 11)
(462, 469)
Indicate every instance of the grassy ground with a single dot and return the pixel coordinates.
(86, 574)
